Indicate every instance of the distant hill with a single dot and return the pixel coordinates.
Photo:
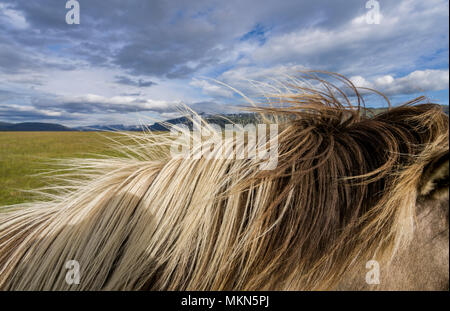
(111, 127)
(219, 119)
(33, 126)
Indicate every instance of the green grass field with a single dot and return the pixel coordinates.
(22, 154)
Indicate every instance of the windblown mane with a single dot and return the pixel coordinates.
(343, 192)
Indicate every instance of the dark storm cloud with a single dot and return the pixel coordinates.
(13, 60)
(13, 113)
(5, 94)
(94, 104)
(131, 94)
(132, 82)
(141, 42)
(169, 39)
(165, 38)
(86, 106)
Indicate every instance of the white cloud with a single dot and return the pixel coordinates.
(19, 110)
(118, 103)
(12, 17)
(360, 82)
(355, 47)
(418, 81)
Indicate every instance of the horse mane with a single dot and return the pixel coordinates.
(343, 192)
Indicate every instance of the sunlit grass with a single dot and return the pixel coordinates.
(24, 154)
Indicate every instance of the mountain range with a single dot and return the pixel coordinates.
(33, 126)
(219, 119)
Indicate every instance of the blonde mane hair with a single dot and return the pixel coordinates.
(344, 192)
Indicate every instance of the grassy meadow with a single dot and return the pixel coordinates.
(22, 154)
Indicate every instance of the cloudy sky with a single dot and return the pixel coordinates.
(135, 59)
